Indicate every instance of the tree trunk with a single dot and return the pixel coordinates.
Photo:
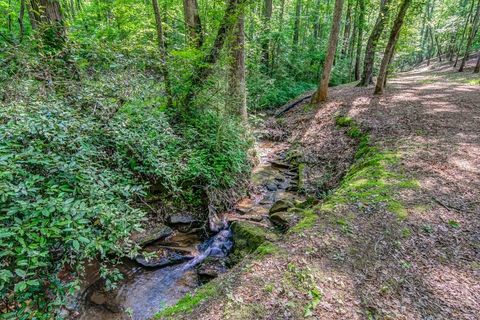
(464, 32)
(20, 21)
(267, 16)
(193, 23)
(237, 97)
(369, 59)
(322, 91)
(163, 52)
(361, 22)
(296, 27)
(392, 41)
(477, 66)
(205, 68)
(348, 25)
(471, 37)
(46, 16)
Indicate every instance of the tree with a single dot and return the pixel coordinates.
(237, 96)
(322, 91)
(471, 36)
(296, 26)
(361, 22)
(204, 69)
(389, 50)
(267, 16)
(477, 66)
(46, 17)
(163, 52)
(193, 23)
(372, 44)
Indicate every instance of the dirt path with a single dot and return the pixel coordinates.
(406, 248)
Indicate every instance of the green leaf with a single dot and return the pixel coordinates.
(21, 286)
(76, 245)
(21, 273)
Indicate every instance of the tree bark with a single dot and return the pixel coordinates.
(267, 16)
(296, 27)
(193, 23)
(20, 21)
(369, 59)
(322, 91)
(237, 97)
(205, 68)
(389, 50)
(46, 16)
(477, 66)
(471, 37)
(465, 27)
(163, 52)
(361, 22)
(348, 25)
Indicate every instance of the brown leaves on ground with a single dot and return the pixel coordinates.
(426, 266)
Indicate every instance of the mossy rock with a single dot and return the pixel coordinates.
(280, 206)
(247, 237)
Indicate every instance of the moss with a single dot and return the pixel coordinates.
(189, 301)
(370, 179)
(307, 220)
(267, 248)
(247, 238)
(301, 176)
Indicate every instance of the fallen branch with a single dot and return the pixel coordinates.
(293, 103)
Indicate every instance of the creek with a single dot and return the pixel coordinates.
(185, 260)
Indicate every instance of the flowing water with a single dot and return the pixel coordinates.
(147, 289)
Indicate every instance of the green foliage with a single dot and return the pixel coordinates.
(189, 301)
(61, 200)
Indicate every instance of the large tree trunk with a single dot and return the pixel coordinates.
(46, 16)
(471, 37)
(322, 91)
(369, 59)
(296, 26)
(361, 22)
(237, 97)
(163, 52)
(267, 16)
(193, 23)
(392, 41)
(205, 68)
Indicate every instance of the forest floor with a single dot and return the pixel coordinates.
(399, 235)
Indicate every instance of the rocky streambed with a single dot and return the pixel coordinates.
(178, 258)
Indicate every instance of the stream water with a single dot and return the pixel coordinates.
(146, 290)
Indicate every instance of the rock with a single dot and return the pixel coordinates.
(211, 268)
(271, 187)
(280, 205)
(182, 218)
(247, 237)
(171, 258)
(98, 298)
(160, 231)
(283, 220)
(278, 164)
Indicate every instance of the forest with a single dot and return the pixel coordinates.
(212, 136)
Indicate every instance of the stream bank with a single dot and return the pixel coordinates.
(178, 258)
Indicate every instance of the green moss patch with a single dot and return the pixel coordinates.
(189, 301)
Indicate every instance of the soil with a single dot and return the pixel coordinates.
(424, 266)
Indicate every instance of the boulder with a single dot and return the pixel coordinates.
(160, 231)
(182, 218)
(283, 219)
(280, 205)
(211, 268)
